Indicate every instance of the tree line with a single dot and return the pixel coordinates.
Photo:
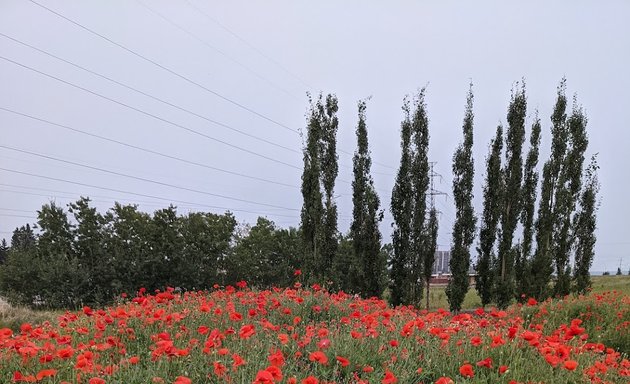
(535, 234)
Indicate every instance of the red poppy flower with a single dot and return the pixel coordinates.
(466, 370)
(389, 378)
(310, 380)
(343, 361)
(246, 331)
(570, 365)
(319, 357)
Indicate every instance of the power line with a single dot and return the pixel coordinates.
(114, 189)
(188, 206)
(151, 96)
(247, 43)
(12, 215)
(187, 79)
(150, 114)
(15, 210)
(142, 178)
(157, 153)
(204, 42)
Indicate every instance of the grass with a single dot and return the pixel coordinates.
(611, 283)
(282, 336)
(471, 301)
(13, 317)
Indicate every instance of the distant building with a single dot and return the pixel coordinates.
(441, 266)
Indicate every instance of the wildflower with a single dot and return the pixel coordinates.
(343, 361)
(246, 331)
(570, 365)
(319, 357)
(389, 378)
(310, 380)
(466, 370)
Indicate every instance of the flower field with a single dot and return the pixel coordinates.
(308, 336)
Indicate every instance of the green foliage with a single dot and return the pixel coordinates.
(319, 210)
(512, 174)
(265, 256)
(584, 231)
(90, 262)
(465, 221)
(542, 263)
(570, 182)
(431, 246)
(522, 264)
(23, 238)
(401, 209)
(408, 205)
(4, 251)
(366, 216)
(420, 187)
(492, 195)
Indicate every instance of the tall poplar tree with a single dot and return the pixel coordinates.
(510, 207)
(319, 210)
(401, 209)
(330, 170)
(465, 221)
(420, 188)
(312, 207)
(584, 230)
(492, 195)
(366, 215)
(431, 247)
(522, 263)
(542, 263)
(568, 196)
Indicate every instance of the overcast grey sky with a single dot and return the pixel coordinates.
(247, 66)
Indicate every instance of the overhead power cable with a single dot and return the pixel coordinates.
(15, 210)
(185, 78)
(212, 47)
(143, 179)
(111, 189)
(149, 114)
(261, 53)
(157, 153)
(244, 133)
(188, 206)
(12, 215)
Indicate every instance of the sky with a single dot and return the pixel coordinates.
(202, 103)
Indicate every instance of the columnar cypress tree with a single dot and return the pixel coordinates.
(492, 196)
(584, 230)
(511, 208)
(330, 170)
(366, 237)
(401, 208)
(568, 195)
(420, 187)
(429, 257)
(542, 263)
(528, 200)
(465, 221)
(312, 208)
